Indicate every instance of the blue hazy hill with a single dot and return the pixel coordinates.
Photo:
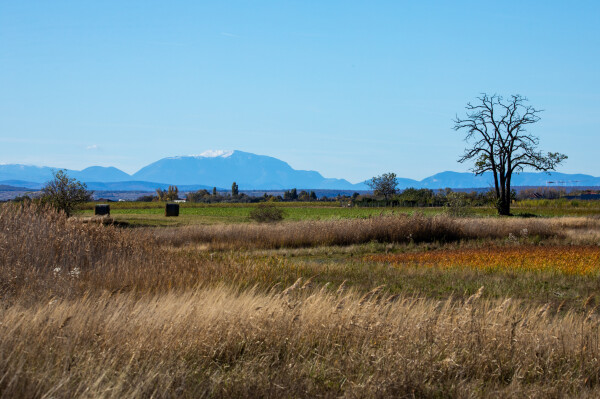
(249, 171)
(256, 172)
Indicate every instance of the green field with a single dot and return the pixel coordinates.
(152, 213)
(226, 213)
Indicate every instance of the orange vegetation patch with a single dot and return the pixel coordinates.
(576, 260)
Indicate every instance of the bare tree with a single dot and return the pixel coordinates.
(500, 143)
(384, 185)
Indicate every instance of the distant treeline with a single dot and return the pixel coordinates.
(409, 197)
(205, 196)
(412, 197)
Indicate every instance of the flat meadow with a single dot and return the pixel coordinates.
(152, 213)
(330, 302)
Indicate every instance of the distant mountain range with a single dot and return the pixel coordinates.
(253, 172)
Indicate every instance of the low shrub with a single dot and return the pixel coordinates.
(266, 213)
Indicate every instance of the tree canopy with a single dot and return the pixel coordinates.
(384, 185)
(64, 193)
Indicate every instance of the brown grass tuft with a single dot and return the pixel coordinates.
(394, 229)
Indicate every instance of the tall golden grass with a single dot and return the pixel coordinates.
(398, 229)
(125, 317)
(42, 252)
(44, 255)
(299, 343)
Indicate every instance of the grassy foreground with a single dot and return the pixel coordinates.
(390, 306)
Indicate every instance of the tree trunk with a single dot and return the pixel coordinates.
(504, 202)
(504, 206)
(508, 198)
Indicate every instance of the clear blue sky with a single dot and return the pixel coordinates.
(349, 88)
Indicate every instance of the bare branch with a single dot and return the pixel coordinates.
(496, 130)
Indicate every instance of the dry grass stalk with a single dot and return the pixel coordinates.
(219, 342)
(397, 229)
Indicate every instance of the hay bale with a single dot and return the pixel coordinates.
(172, 210)
(102, 210)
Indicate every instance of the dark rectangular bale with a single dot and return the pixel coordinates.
(172, 210)
(102, 209)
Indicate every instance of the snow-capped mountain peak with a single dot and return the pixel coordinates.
(215, 154)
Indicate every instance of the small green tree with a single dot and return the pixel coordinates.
(214, 191)
(384, 185)
(291, 195)
(235, 190)
(303, 196)
(64, 193)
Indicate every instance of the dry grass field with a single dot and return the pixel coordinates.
(385, 306)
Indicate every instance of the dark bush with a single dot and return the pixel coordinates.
(266, 213)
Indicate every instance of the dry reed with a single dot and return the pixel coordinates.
(394, 229)
(44, 255)
(122, 317)
(302, 343)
